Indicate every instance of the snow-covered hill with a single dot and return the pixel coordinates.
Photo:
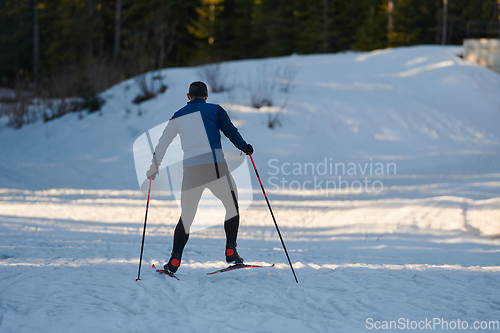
(419, 122)
(422, 108)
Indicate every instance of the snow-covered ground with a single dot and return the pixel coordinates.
(422, 244)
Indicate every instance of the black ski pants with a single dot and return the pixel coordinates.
(217, 178)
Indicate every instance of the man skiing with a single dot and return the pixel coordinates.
(198, 125)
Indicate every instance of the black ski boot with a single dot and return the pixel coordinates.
(232, 256)
(173, 263)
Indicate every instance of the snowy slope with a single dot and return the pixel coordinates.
(425, 247)
(422, 108)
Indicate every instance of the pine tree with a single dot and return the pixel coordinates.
(312, 26)
(16, 39)
(346, 18)
(372, 33)
(416, 22)
(206, 25)
(234, 39)
(462, 11)
(273, 27)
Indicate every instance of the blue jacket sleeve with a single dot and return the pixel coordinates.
(229, 130)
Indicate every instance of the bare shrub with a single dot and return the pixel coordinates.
(62, 84)
(274, 116)
(61, 90)
(19, 113)
(273, 120)
(101, 74)
(53, 108)
(87, 97)
(285, 76)
(216, 76)
(138, 64)
(18, 108)
(261, 89)
(149, 85)
(146, 88)
(70, 90)
(76, 89)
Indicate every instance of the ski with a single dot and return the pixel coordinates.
(237, 266)
(162, 271)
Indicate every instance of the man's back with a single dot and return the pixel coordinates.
(199, 125)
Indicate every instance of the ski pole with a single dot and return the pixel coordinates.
(144, 232)
(274, 219)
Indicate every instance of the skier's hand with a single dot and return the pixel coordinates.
(152, 172)
(248, 150)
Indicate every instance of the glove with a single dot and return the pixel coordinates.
(152, 172)
(248, 150)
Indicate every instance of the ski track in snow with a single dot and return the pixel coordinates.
(62, 265)
(427, 246)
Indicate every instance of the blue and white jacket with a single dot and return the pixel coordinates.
(199, 125)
